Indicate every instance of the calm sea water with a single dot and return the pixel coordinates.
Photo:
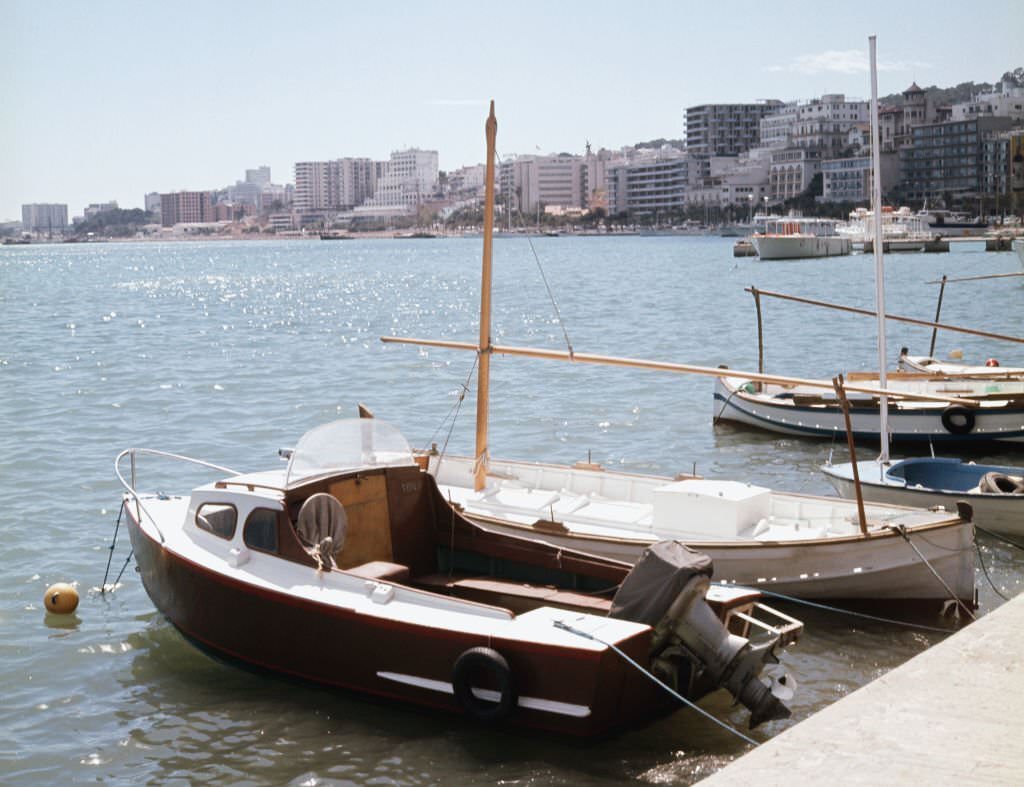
(228, 351)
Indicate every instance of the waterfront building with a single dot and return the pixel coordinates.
(96, 208)
(726, 129)
(654, 182)
(151, 202)
(333, 186)
(849, 179)
(259, 176)
(896, 122)
(529, 183)
(1008, 101)
(791, 172)
(45, 217)
(406, 181)
(946, 161)
(737, 181)
(820, 123)
(186, 207)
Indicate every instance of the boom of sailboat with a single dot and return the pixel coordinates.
(668, 366)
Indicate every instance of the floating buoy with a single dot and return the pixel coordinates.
(991, 362)
(61, 599)
(956, 355)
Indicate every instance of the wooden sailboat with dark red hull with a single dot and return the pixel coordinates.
(348, 568)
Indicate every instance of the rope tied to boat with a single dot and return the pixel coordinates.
(110, 555)
(901, 530)
(689, 703)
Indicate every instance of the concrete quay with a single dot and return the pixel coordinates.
(952, 715)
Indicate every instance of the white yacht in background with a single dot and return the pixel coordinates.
(902, 230)
(795, 237)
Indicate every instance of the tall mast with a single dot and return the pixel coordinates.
(484, 348)
(876, 207)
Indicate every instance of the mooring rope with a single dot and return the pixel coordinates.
(829, 608)
(666, 687)
(984, 570)
(998, 537)
(110, 553)
(902, 531)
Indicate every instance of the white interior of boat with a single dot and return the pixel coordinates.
(594, 502)
(990, 391)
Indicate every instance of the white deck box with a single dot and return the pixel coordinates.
(719, 509)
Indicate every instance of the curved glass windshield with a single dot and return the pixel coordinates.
(347, 444)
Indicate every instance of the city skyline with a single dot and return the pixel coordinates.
(112, 100)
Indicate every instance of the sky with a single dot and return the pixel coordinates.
(110, 100)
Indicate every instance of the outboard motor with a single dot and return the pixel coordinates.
(692, 649)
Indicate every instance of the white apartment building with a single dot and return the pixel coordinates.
(791, 172)
(408, 179)
(731, 180)
(44, 217)
(336, 185)
(647, 183)
(821, 123)
(558, 182)
(1007, 102)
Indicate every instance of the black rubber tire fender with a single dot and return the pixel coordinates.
(468, 668)
(958, 419)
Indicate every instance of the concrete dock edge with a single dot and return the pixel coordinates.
(954, 714)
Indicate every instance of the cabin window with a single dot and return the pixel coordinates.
(217, 518)
(261, 530)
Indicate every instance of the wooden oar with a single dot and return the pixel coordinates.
(665, 366)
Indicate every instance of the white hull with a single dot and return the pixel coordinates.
(783, 410)
(1000, 513)
(809, 547)
(792, 247)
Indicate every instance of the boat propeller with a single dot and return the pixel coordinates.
(780, 682)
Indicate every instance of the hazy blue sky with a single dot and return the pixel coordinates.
(109, 100)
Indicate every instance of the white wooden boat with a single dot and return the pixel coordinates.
(349, 569)
(810, 412)
(793, 238)
(994, 492)
(797, 545)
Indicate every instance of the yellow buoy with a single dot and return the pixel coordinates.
(61, 599)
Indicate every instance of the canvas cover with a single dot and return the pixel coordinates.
(656, 580)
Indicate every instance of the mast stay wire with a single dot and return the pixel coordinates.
(543, 276)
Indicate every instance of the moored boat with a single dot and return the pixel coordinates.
(994, 492)
(797, 545)
(794, 237)
(348, 568)
(992, 410)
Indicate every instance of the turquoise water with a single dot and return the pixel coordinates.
(228, 351)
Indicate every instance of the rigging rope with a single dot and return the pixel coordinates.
(666, 687)
(902, 531)
(544, 278)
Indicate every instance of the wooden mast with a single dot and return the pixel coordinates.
(484, 347)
